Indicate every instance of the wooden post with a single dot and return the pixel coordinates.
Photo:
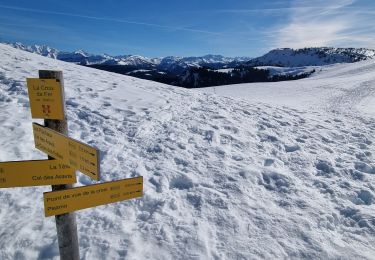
(66, 223)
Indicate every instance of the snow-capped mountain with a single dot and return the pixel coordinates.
(180, 64)
(284, 57)
(136, 61)
(250, 171)
(83, 58)
(170, 63)
(43, 50)
(287, 57)
(191, 72)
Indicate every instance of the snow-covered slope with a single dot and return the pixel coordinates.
(225, 178)
(344, 88)
(281, 71)
(292, 71)
(319, 56)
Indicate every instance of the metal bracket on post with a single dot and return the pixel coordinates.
(66, 223)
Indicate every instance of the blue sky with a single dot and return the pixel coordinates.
(188, 28)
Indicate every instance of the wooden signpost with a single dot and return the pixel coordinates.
(66, 225)
(65, 156)
(80, 156)
(59, 202)
(35, 173)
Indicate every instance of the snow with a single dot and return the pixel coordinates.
(318, 56)
(140, 70)
(228, 70)
(277, 171)
(340, 88)
(274, 70)
(293, 71)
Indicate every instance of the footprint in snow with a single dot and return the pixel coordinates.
(292, 148)
(364, 167)
(181, 182)
(364, 197)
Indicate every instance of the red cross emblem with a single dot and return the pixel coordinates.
(46, 109)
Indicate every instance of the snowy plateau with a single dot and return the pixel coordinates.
(252, 171)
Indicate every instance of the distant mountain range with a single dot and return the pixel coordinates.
(198, 71)
(170, 63)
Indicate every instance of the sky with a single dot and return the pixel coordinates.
(188, 28)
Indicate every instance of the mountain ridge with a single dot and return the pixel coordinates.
(283, 57)
(313, 56)
(82, 57)
(211, 70)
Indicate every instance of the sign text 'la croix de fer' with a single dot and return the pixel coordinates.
(46, 98)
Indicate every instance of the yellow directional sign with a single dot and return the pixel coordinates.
(79, 156)
(64, 201)
(46, 98)
(35, 173)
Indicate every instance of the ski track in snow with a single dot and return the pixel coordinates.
(224, 178)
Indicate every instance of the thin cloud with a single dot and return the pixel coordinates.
(108, 19)
(262, 11)
(338, 23)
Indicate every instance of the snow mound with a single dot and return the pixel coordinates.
(225, 178)
(286, 57)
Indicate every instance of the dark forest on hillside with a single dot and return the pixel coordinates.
(200, 77)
